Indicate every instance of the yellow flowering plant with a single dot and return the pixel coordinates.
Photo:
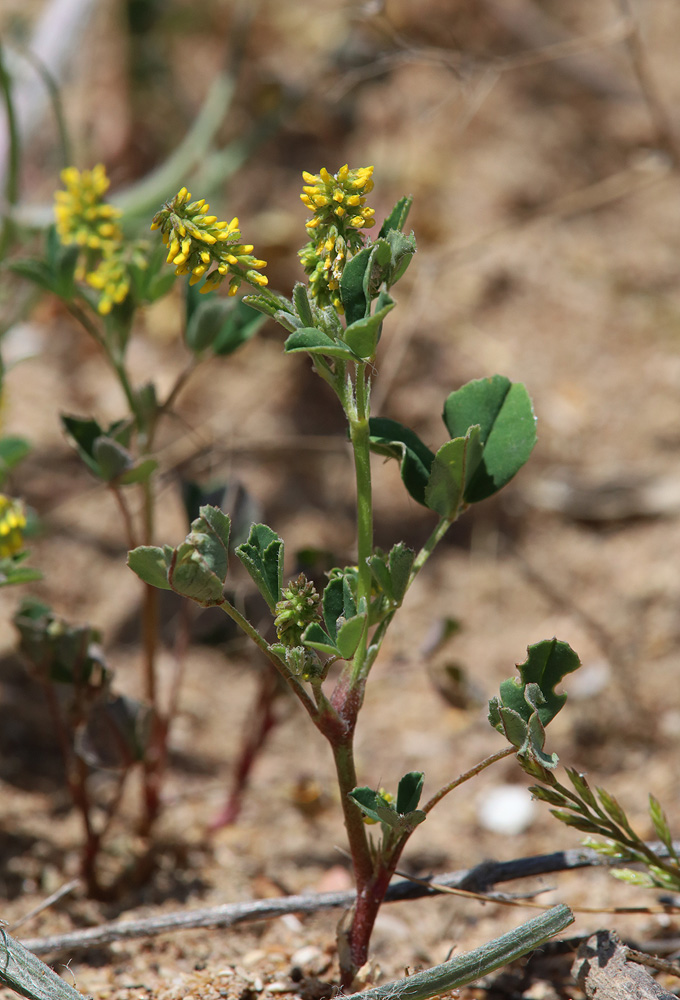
(336, 318)
(104, 273)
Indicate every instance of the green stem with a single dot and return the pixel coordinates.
(438, 796)
(262, 644)
(429, 547)
(362, 862)
(14, 157)
(360, 438)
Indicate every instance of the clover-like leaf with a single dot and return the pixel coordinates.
(453, 468)
(392, 572)
(198, 568)
(363, 335)
(349, 635)
(409, 791)
(151, 564)
(262, 556)
(392, 439)
(526, 706)
(337, 603)
(507, 424)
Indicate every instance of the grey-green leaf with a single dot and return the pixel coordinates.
(151, 564)
(262, 556)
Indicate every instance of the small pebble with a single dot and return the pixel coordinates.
(507, 809)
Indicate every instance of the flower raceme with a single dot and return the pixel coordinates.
(84, 219)
(12, 524)
(197, 242)
(338, 203)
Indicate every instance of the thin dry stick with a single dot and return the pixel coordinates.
(45, 904)
(229, 914)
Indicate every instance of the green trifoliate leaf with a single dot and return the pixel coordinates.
(398, 216)
(314, 637)
(349, 635)
(409, 791)
(151, 564)
(262, 556)
(315, 342)
(526, 706)
(392, 572)
(453, 469)
(547, 663)
(338, 603)
(507, 424)
(113, 460)
(363, 335)
(198, 568)
(368, 801)
(392, 439)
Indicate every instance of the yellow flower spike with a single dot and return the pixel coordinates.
(82, 217)
(198, 240)
(336, 203)
(12, 523)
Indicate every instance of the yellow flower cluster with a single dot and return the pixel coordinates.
(111, 277)
(83, 217)
(12, 524)
(196, 241)
(86, 220)
(338, 202)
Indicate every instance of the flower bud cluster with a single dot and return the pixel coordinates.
(298, 608)
(12, 524)
(338, 202)
(197, 242)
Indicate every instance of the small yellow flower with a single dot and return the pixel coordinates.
(338, 204)
(196, 241)
(83, 217)
(12, 524)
